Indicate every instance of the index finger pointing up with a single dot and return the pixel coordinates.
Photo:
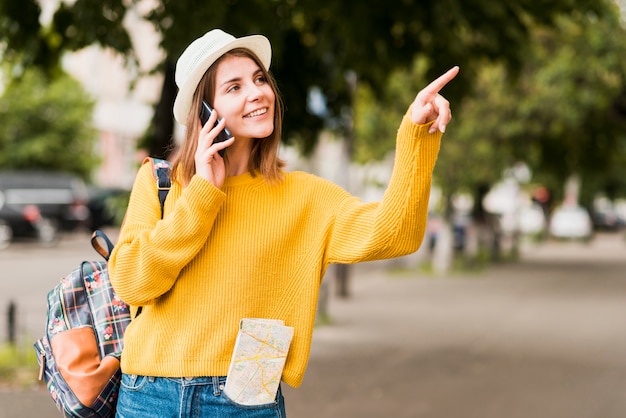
(436, 85)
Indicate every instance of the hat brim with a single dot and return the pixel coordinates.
(258, 44)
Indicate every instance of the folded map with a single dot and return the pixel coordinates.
(258, 360)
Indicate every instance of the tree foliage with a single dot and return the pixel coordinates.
(576, 89)
(563, 114)
(376, 117)
(316, 42)
(561, 111)
(25, 42)
(47, 124)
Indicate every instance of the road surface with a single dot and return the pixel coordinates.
(544, 337)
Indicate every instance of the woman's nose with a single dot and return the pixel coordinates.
(254, 93)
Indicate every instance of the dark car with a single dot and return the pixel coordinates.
(607, 220)
(106, 205)
(40, 204)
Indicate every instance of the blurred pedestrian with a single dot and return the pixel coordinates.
(242, 238)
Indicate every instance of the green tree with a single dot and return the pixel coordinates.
(565, 114)
(562, 111)
(576, 107)
(47, 124)
(25, 42)
(316, 43)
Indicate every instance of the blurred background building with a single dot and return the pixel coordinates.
(124, 99)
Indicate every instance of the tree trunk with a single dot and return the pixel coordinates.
(159, 140)
(342, 276)
(343, 271)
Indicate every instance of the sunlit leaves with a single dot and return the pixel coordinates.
(47, 125)
(562, 110)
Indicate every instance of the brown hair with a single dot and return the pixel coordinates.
(264, 153)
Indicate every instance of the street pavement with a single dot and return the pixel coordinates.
(544, 337)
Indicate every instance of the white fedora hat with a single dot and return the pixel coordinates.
(203, 52)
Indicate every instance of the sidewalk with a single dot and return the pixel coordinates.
(543, 338)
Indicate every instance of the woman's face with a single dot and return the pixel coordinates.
(244, 98)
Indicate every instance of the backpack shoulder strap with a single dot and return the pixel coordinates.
(162, 169)
(102, 244)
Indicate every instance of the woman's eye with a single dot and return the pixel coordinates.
(261, 80)
(232, 88)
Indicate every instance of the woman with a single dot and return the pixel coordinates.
(240, 238)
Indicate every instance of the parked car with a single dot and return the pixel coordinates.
(608, 220)
(571, 222)
(105, 206)
(41, 204)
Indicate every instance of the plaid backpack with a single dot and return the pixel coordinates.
(79, 355)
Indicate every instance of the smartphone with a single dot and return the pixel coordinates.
(205, 112)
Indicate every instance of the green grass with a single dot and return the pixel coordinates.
(459, 264)
(18, 366)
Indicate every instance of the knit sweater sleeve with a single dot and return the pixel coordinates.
(394, 226)
(151, 252)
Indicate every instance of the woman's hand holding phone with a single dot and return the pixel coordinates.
(209, 163)
(224, 135)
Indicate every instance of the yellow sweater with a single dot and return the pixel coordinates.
(253, 250)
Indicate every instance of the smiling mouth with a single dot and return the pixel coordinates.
(257, 112)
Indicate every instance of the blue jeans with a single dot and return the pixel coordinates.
(164, 397)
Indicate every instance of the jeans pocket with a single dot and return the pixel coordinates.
(134, 382)
(271, 405)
